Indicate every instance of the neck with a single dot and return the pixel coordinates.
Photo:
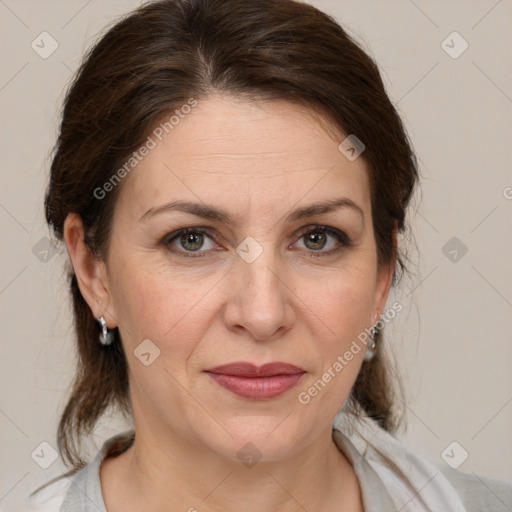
(172, 474)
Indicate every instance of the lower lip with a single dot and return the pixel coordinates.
(257, 388)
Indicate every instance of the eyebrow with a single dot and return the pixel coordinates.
(218, 214)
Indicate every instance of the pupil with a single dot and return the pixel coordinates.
(190, 238)
(317, 238)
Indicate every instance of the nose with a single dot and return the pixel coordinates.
(259, 300)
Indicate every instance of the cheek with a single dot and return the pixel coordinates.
(343, 308)
(153, 304)
(343, 302)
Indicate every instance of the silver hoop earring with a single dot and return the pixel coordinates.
(370, 349)
(106, 334)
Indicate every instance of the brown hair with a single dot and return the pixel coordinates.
(152, 62)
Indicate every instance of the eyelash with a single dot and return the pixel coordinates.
(340, 236)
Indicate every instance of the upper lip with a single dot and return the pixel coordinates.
(245, 369)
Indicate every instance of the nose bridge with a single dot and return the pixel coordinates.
(259, 299)
(259, 273)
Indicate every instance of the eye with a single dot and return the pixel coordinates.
(323, 240)
(318, 241)
(190, 240)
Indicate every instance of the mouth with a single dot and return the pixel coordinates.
(257, 382)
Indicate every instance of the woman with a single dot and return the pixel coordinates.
(229, 181)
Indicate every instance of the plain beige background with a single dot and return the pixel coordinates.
(453, 338)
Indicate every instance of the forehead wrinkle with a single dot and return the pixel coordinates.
(241, 155)
(255, 174)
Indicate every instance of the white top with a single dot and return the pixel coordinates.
(392, 478)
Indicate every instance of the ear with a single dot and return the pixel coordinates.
(90, 271)
(384, 279)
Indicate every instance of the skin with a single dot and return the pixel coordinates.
(259, 161)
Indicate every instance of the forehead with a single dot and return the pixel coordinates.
(248, 152)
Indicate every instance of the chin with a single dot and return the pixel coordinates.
(261, 438)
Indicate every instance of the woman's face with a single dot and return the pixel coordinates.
(253, 281)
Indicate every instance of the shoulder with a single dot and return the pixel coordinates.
(47, 498)
(68, 489)
(476, 492)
